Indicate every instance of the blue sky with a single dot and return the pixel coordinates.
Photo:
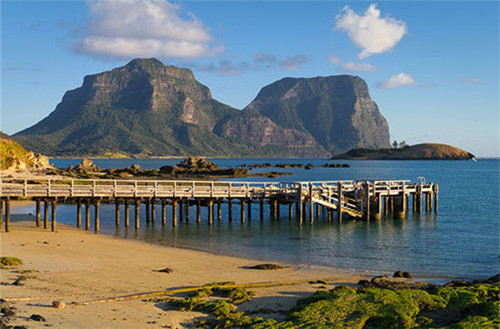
(432, 67)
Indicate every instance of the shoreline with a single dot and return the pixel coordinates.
(75, 265)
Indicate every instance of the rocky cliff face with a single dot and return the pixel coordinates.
(147, 108)
(336, 112)
(13, 157)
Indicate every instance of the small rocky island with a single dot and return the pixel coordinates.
(425, 151)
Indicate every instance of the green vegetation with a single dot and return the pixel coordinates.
(449, 306)
(12, 154)
(7, 262)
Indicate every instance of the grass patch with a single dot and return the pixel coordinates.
(8, 262)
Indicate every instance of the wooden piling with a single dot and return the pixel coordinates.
(53, 222)
(300, 211)
(436, 191)
(249, 209)
(277, 207)
(340, 204)
(136, 213)
(37, 214)
(187, 210)
(1, 213)
(163, 212)
(198, 211)
(317, 211)
(78, 213)
(330, 211)
(45, 214)
(153, 211)
(311, 204)
(117, 213)
(219, 210)
(181, 210)
(262, 209)
(148, 210)
(126, 220)
(210, 211)
(96, 216)
(230, 209)
(7, 215)
(87, 214)
(174, 212)
(242, 210)
(366, 201)
(290, 211)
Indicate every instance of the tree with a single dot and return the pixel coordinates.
(402, 144)
(395, 144)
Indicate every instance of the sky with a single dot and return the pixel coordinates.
(432, 67)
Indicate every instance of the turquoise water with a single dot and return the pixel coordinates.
(462, 240)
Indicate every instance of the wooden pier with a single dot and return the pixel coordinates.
(347, 199)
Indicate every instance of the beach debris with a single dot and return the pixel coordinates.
(37, 317)
(387, 283)
(401, 274)
(166, 270)
(7, 262)
(267, 266)
(309, 166)
(58, 304)
(7, 310)
(335, 165)
(317, 282)
(19, 281)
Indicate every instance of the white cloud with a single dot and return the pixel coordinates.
(398, 80)
(226, 67)
(262, 58)
(144, 28)
(292, 63)
(372, 33)
(332, 58)
(358, 67)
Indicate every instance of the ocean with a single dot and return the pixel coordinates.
(461, 241)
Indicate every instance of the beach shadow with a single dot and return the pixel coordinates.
(40, 305)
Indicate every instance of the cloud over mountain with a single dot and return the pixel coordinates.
(145, 28)
(396, 81)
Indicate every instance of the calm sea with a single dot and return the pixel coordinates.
(462, 240)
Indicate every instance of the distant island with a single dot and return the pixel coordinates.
(425, 151)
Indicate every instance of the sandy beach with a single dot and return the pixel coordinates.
(75, 266)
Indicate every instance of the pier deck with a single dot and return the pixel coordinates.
(353, 199)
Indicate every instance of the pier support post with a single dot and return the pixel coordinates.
(96, 216)
(277, 207)
(290, 211)
(37, 219)
(7, 215)
(242, 210)
(181, 210)
(418, 195)
(330, 211)
(317, 211)
(148, 211)
(249, 209)
(163, 212)
(230, 209)
(378, 215)
(261, 209)
(136, 212)
(436, 191)
(219, 210)
(78, 213)
(210, 211)
(53, 222)
(367, 201)
(187, 210)
(45, 214)
(198, 211)
(126, 213)
(1, 213)
(174, 212)
(87, 214)
(117, 213)
(153, 211)
(340, 204)
(311, 204)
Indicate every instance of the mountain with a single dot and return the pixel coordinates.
(146, 108)
(425, 151)
(332, 114)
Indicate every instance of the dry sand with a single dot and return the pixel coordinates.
(75, 265)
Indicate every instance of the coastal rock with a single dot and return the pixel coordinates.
(401, 274)
(13, 157)
(87, 166)
(58, 304)
(37, 317)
